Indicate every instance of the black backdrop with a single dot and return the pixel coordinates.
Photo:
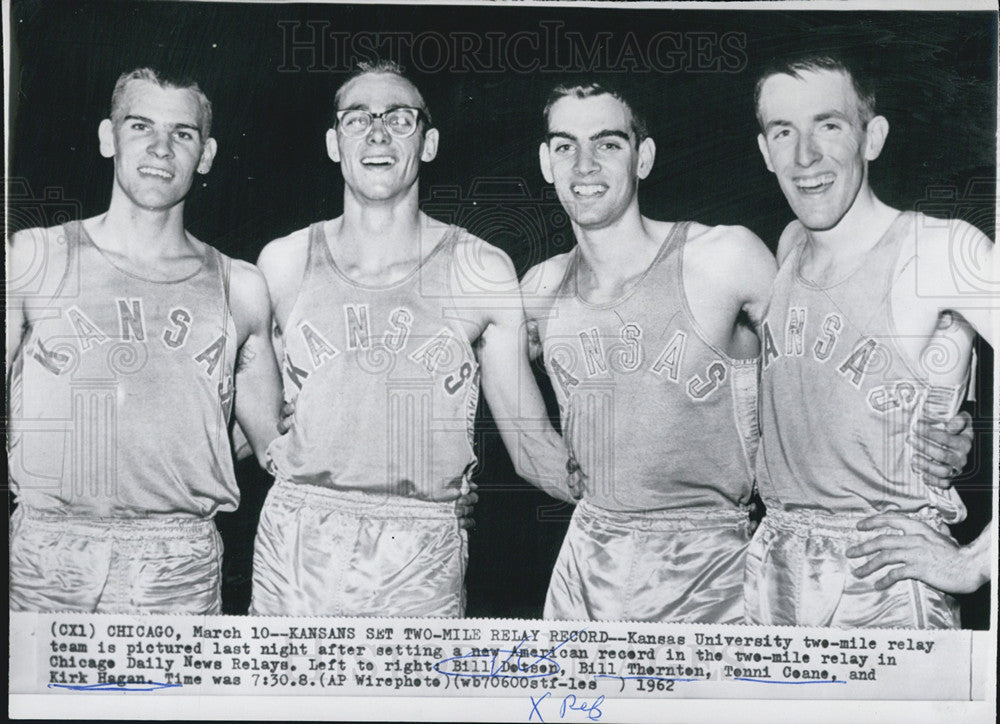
(271, 70)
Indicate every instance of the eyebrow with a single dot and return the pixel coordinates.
(366, 107)
(597, 136)
(818, 118)
(831, 114)
(151, 122)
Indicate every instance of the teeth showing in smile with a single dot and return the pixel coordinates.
(814, 184)
(378, 161)
(150, 171)
(588, 189)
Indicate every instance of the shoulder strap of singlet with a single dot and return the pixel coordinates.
(317, 251)
(676, 239)
(73, 233)
(567, 285)
(893, 244)
(223, 268)
(798, 244)
(446, 250)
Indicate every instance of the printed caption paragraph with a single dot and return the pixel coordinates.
(560, 667)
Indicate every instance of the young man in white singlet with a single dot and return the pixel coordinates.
(648, 334)
(376, 314)
(849, 360)
(124, 336)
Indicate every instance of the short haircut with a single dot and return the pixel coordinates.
(380, 66)
(795, 65)
(164, 81)
(591, 89)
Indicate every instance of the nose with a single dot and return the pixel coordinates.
(585, 162)
(378, 133)
(160, 145)
(806, 150)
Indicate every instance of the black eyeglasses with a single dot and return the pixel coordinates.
(400, 122)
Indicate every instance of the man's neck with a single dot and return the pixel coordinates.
(383, 231)
(857, 232)
(621, 251)
(139, 233)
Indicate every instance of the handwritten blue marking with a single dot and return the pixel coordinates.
(593, 711)
(771, 681)
(570, 703)
(534, 705)
(520, 669)
(647, 678)
(152, 686)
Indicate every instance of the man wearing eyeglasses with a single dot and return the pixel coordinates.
(376, 313)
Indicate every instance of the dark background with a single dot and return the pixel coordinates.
(273, 104)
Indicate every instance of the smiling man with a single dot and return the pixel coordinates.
(122, 339)
(376, 314)
(648, 334)
(866, 330)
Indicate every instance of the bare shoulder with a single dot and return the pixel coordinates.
(953, 257)
(543, 279)
(283, 264)
(727, 249)
(729, 262)
(285, 256)
(37, 261)
(937, 238)
(249, 300)
(481, 268)
(247, 281)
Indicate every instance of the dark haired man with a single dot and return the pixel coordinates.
(864, 333)
(648, 334)
(123, 332)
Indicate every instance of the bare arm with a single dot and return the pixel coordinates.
(957, 270)
(728, 273)
(538, 289)
(537, 450)
(37, 264)
(258, 382)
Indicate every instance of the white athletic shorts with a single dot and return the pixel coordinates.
(103, 565)
(798, 575)
(650, 566)
(322, 552)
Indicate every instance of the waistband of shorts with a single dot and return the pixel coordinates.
(668, 520)
(806, 522)
(131, 528)
(376, 505)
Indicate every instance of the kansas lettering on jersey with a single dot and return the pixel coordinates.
(386, 387)
(122, 393)
(656, 415)
(840, 395)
